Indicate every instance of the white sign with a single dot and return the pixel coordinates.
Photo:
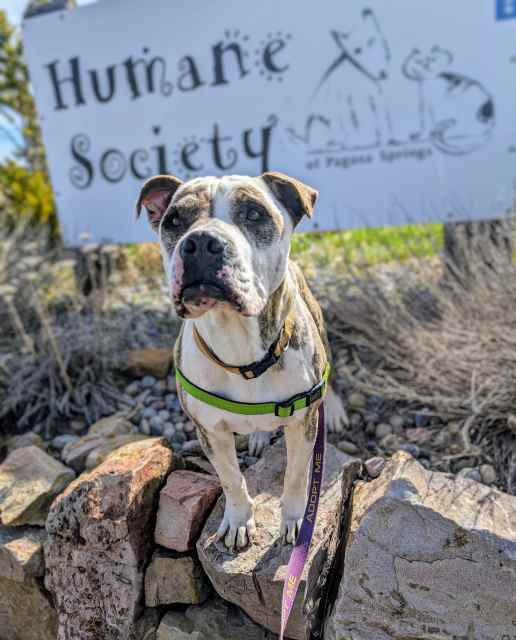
(397, 111)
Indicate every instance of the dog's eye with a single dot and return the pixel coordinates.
(172, 220)
(253, 215)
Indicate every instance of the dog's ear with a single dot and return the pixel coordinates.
(155, 196)
(298, 198)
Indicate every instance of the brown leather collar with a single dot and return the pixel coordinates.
(255, 369)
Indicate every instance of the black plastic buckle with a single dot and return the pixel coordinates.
(256, 369)
(315, 393)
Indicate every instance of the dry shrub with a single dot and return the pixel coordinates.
(61, 353)
(432, 335)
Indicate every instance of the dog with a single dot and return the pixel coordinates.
(225, 244)
(456, 113)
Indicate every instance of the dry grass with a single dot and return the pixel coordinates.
(430, 335)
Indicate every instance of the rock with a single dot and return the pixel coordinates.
(214, 620)
(390, 442)
(189, 426)
(174, 579)
(150, 362)
(29, 439)
(21, 553)
(374, 466)
(59, 442)
(357, 400)
(454, 428)
(133, 389)
(382, 430)
(397, 422)
(26, 612)
(148, 382)
(356, 420)
(103, 437)
(29, 480)
(419, 435)
(469, 474)
(241, 442)
(422, 418)
(411, 449)
(347, 447)
(99, 544)
(253, 579)
(429, 556)
(194, 463)
(488, 473)
(184, 504)
(192, 447)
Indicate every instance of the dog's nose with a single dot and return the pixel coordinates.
(200, 245)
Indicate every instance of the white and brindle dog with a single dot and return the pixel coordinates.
(225, 244)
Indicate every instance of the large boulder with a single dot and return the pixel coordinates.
(428, 556)
(23, 599)
(100, 540)
(253, 579)
(103, 437)
(29, 480)
(153, 361)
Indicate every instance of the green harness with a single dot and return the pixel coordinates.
(283, 409)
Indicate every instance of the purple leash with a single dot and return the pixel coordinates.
(299, 554)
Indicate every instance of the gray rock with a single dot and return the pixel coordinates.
(29, 480)
(145, 427)
(250, 460)
(174, 579)
(357, 400)
(488, 473)
(133, 389)
(382, 430)
(189, 427)
(411, 449)
(156, 425)
(356, 420)
(148, 382)
(59, 442)
(397, 423)
(470, 474)
(253, 578)
(149, 412)
(192, 448)
(374, 466)
(26, 612)
(164, 415)
(214, 620)
(179, 437)
(347, 447)
(390, 442)
(429, 556)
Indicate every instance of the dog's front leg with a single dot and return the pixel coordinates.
(299, 438)
(237, 525)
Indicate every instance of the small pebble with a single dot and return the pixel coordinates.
(77, 426)
(179, 438)
(374, 466)
(411, 449)
(149, 413)
(164, 415)
(250, 460)
(441, 439)
(156, 426)
(397, 423)
(148, 382)
(169, 430)
(463, 463)
(422, 419)
(488, 473)
(171, 384)
(180, 425)
(390, 442)
(347, 447)
(470, 474)
(382, 430)
(143, 397)
(160, 387)
(192, 448)
(356, 420)
(370, 429)
(59, 442)
(454, 428)
(371, 445)
(133, 389)
(159, 405)
(145, 427)
(357, 400)
(189, 427)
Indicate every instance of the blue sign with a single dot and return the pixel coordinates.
(505, 9)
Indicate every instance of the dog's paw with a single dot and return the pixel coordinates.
(258, 441)
(237, 527)
(335, 414)
(292, 511)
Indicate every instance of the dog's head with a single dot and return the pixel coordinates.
(225, 241)
(422, 66)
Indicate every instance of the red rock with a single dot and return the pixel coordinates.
(100, 541)
(184, 504)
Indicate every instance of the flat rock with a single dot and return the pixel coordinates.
(25, 440)
(428, 557)
(21, 553)
(154, 362)
(174, 579)
(29, 480)
(99, 542)
(102, 438)
(184, 504)
(26, 612)
(214, 620)
(253, 579)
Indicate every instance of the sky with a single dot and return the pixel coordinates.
(14, 10)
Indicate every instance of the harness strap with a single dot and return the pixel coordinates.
(283, 409)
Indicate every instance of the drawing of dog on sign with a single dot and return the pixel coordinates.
(349, 110)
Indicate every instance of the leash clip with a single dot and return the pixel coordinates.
(315, 393)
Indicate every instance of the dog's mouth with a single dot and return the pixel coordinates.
(201, 296)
